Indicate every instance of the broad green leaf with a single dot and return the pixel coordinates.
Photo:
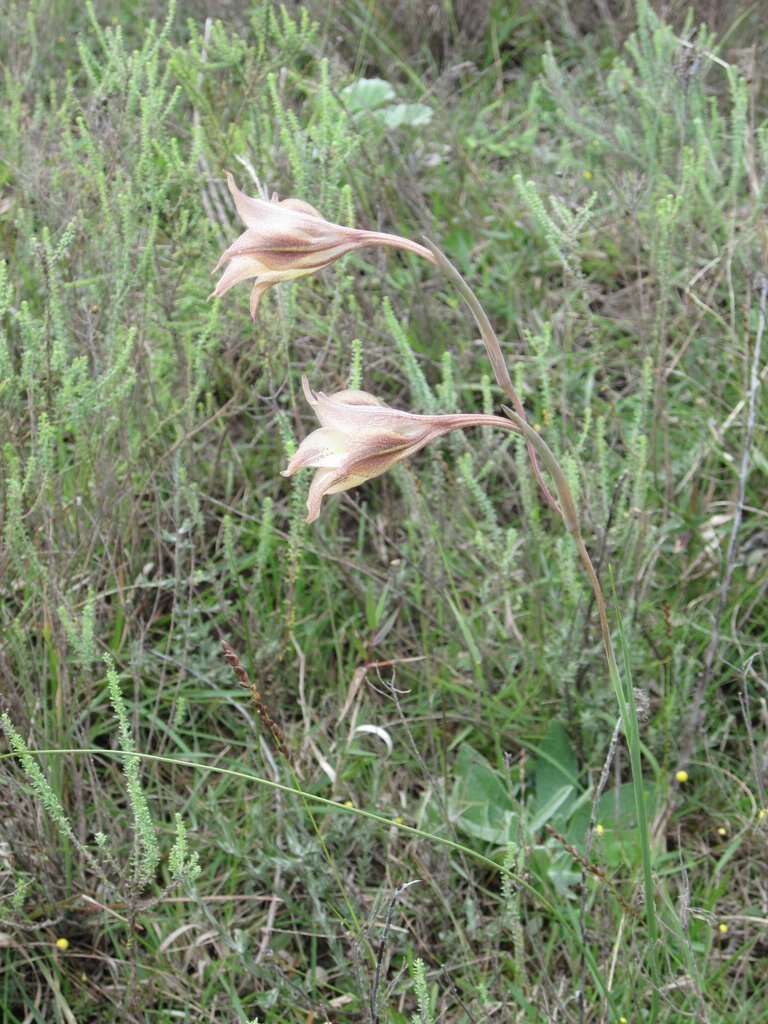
(550, 808)
(367, 94)
(479, 803)
(555, 768)
(619, 841)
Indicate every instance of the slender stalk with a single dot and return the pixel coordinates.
(567, 509)
(624, 694)
(495, 356)
(395, 242)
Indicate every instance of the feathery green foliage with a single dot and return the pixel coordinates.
(605, 196)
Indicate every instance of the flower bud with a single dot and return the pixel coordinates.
(287, 239)
(360, 438)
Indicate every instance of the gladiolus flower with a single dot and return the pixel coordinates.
(287, 239)
(360, 438)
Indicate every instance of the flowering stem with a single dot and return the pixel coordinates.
(493, 349)
(536, 444)
(567, 509)
(624, 695)
(395, 242)
(571, 519)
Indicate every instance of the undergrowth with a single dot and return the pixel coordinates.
(427, 649)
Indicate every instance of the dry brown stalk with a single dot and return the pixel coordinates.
(274, 730)
(593, 869)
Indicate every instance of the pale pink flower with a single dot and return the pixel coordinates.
(287, 239)
(360, 438)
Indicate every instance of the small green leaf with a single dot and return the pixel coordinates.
(367, 94)
(414, 115)
(466, 632)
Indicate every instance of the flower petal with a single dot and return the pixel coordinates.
(331, 481)
(322, 449)
(296, 227)
(299, 206)
(262, 246)
(240, 269)
(350, 397)
(334, 481)
(321, 482)
(252, 211)
(256, 292)
(357, 398)
(366, 414)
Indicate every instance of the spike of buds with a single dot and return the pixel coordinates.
(287, 239)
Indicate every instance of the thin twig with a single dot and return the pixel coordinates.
(744, 699)
(382, 946)
(694, 720)
(593, 869)
(581, 671)
(266, 937)
(436, 788)
(208, 194)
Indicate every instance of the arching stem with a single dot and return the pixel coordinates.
(537, 446)
(493, 349)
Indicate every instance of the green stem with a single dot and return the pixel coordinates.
(624, 695)
(495, 356)
(567, 508)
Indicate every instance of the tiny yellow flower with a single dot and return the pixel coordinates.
(722, 831)
(587, 176)
(762, 814)
(399, 820)
(599, 830)
(623, 1020)
(62, 944)
(723, 928)
(348, 803)
(681, 776)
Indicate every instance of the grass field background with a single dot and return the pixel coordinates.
(429, 649)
